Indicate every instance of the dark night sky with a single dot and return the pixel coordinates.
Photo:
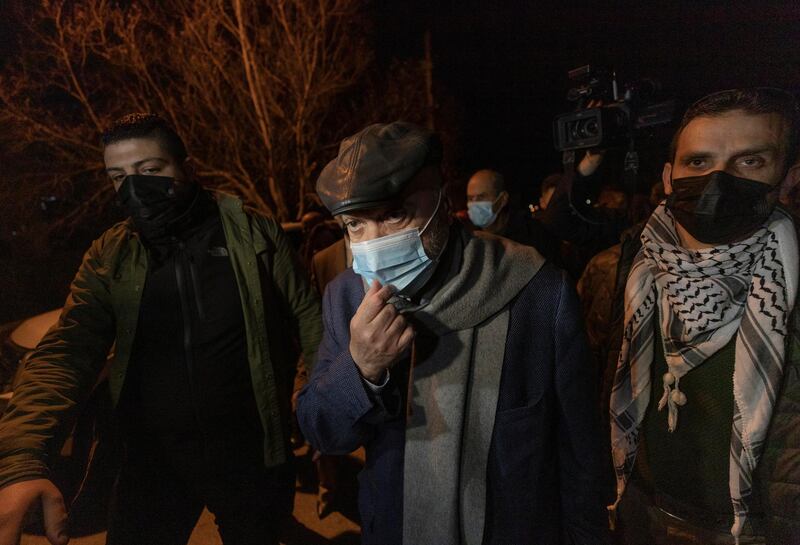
(506, 62)
(503, 64)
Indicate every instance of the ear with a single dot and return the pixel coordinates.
(666, 178)
(502, 200)
(190, 169)
(790, 181)
(447, 205)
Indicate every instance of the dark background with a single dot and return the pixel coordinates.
(505, 63)
(499, 73)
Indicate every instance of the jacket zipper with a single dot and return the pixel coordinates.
(198, 301)
(180, 277)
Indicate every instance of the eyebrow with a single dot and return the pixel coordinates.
(751, 151)
(378, 214)
(137, 164)
(756, 151)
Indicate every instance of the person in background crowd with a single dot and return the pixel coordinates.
(596, 284)
(611, 197)
(329, 262)
(202, 302)
(490, 210)
(596, 293)
(326, 265)
(704, 403)
(791, 201)
(457, 360)
(584, 230)
(318, 235)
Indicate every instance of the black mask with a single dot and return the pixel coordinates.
(158, 206)
(719, 208)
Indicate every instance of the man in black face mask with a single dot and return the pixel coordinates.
(704, 398)
(202, 302)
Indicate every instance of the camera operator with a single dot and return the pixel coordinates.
(607, 116)
(587, 229)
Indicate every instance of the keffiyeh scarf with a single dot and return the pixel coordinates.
(704, 298)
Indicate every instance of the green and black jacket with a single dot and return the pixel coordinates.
(280, 310)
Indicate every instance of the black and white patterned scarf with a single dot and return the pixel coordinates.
(705, 297)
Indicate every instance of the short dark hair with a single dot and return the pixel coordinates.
(497, 180)
(754, 101)
(143, 125)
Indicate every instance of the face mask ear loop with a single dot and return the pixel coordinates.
(497, 198)
(435, 210)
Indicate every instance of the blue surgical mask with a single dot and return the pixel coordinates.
(480, 213)
(396, 260)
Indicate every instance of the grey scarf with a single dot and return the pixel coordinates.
(455, 390)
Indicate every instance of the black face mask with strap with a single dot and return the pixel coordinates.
(719, 208)
(159, 206)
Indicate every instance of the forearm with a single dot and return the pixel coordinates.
(58, 375)
(21, 465)
(39, 416)
(335, 412)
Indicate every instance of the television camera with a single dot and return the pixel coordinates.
(605, 116)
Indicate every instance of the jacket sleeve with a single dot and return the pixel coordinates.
(298, 296)
(584, 519)
(777, 478)
(334, 410)
(58, 375)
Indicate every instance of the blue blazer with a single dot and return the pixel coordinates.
(543, 475)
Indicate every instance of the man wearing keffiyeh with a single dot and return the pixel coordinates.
(704, 404)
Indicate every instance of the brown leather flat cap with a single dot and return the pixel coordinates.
(373, 166)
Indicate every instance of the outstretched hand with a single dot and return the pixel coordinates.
(15, 501)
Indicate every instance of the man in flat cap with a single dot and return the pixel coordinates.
(457, 360)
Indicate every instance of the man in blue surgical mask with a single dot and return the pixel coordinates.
(489, 208)
(487, 201)
(457, 360)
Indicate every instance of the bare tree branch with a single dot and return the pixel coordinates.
(249, 84)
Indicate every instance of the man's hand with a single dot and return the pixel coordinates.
(379, 335)
(594, 157)
(590, 162)
(15, 501)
